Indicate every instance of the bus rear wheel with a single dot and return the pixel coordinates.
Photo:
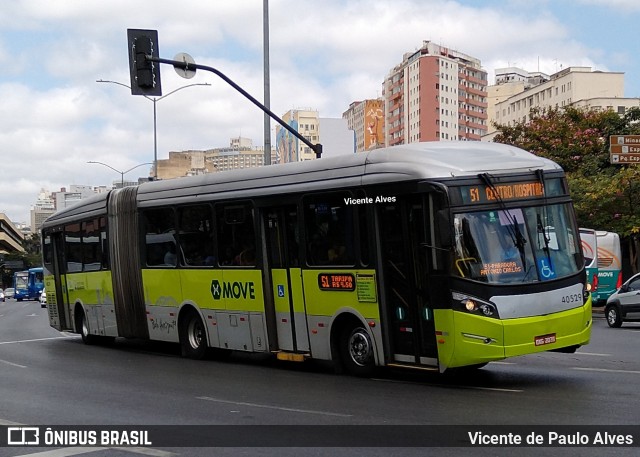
(83, 326)
(356, 351)
(193, 336)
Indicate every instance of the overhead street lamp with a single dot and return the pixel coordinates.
(155, 122)
(122, 173)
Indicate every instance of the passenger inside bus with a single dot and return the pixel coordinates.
(170, 257)
(246, 257)
(336, 253)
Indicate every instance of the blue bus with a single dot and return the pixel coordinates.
(28, 284)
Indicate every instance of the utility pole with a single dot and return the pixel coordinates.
(267, 83)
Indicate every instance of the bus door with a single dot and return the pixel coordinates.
(409, 317)
(283, 265)
(59, 316)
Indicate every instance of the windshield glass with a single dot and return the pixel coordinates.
(22, 281)
(516, 245)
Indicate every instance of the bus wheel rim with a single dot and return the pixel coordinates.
(196, 334)
(360, 347)
(85, 327)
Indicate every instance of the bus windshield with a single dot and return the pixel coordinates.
(517, 245)
(21, 280)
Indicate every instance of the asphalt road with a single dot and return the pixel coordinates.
(49, 378)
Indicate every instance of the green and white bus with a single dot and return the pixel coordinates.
(609, 265)
(589, 242)
(428, 255)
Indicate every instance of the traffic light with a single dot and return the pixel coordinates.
(145, 74)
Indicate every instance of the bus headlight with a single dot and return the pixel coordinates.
(474, 305)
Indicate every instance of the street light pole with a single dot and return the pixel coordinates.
(155, 117)
(267, 82)
(122, 173)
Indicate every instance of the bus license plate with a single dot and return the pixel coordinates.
(545, 339)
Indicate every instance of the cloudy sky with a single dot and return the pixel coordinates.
(324, 55)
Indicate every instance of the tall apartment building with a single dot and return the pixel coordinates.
(366, 119)
(435, 94)
(572, 86)
(48, 203)
(44, 207)
(64, 198)
(288, 147)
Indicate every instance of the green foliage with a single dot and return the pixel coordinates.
(606, 196)
(30, 258)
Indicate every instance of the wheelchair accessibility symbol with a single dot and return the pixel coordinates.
(545, 267)
(280, 290)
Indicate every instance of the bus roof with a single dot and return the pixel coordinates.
(414, 161)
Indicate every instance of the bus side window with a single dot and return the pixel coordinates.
(236, 235)
(91, 245)
(330, 227)
(159, 229)
(104, 243)
(73, 247)
(196, 235)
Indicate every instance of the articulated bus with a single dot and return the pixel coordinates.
(429, 255)
(28, 284)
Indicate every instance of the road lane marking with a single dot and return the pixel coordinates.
(606, 370)
(280, 408)
(146, 451)
(38, 339)
(593, 353)
(6, 422)
(13, 364)
(433, 384)
(71, 451)
(65, 452)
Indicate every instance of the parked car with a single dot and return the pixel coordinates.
(9, 292)
(1, 295)
(43, 298)
(624, 304)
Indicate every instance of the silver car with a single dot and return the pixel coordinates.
(624, 304)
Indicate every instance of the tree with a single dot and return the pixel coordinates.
(606, 196)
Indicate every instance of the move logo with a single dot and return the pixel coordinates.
(233, 290)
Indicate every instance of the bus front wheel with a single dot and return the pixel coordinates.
(356, 351)
(193, 337)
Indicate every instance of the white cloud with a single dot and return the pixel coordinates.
(324, 55)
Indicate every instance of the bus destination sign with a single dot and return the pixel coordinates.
(336, 281)
(504, 192)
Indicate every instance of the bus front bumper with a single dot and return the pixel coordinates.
(472, 339)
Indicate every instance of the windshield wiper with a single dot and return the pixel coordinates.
(516, 235)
